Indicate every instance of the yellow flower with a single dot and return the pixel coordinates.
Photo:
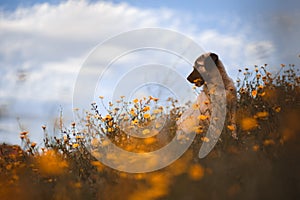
(249, 124)
(199, 129)
(203, 117)
(195, 106)
(75, 145)
(269, 142)
(110, 123)
(76, 185)
(79, 137)
(110, 130)
(95, 142)
(255, 148)
(97, 116)
(101, 97)
(196, 172)
(206, 102)
(146, 131)
(146, 108)
(132, 112)
(24, 133)
(98, 165)
(135, 101)
(147, 115)
(188, 125)
(126, 118)
(198, 80)
(8, 167)
(105, 143)
(51, 163)
(254, 93)
(108, 117)
(277, 109)
(156, 111)
(150, 140)
(157, 125)
(135, 121)
(263, 94)
(153, 98)
(205, 139)
(231, 127)
(262, 114)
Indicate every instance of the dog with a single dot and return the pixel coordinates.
(206, 64)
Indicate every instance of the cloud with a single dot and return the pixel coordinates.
(284, 29)
(51, 41)
(49, 44)
(259, 51)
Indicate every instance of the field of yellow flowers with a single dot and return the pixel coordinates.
(263, 163)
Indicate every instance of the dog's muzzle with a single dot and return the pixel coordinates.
(196, 78)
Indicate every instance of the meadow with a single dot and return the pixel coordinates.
(263, 163)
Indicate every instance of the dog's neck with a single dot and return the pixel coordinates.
(228, 83)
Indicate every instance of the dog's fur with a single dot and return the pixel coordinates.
(206, 63)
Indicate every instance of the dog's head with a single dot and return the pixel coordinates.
(203, 64)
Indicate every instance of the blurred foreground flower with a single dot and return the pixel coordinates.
(51, 163)
(249, 124)
(196, 172)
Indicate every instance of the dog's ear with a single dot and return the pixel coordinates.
(210, 61)
(214, 57)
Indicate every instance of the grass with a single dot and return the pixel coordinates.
(262, 163)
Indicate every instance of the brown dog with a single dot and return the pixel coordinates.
(206, 63)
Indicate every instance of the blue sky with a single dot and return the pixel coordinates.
(192, 5)
(48, 41)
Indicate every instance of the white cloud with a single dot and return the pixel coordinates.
(259, 51)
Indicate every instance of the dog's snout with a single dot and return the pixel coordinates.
(195, 78)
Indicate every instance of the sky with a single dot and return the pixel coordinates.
(45, 44)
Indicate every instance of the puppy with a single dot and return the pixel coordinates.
(207, 63)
